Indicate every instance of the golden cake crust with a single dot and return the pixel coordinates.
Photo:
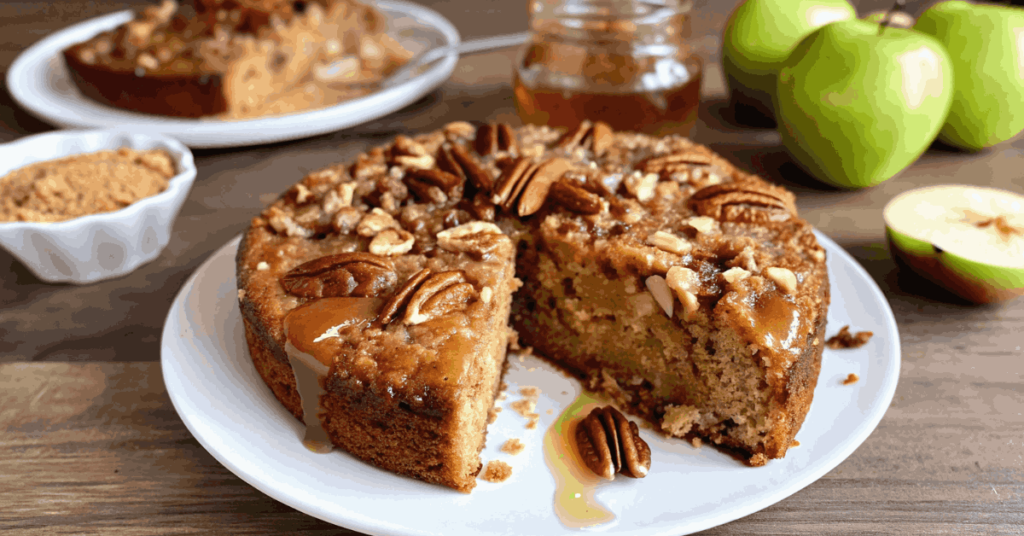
(709, 258)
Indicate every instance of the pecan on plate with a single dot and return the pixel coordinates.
(744, 201)
(609, 443)
(341, 275)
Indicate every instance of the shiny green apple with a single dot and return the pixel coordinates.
(986, 45)
(896, 19)
(857, 103)
(967, 239)
(760, 35)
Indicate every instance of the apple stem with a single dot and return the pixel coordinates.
(898, 6)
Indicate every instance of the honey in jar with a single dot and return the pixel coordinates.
(624, 62)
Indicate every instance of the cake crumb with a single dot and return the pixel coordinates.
(496, 471)
(513, 446)
(851, 378)
(697, 442)
(550, 412)
(758, 460)
(241, 293)
(492, 415)
(530, 391)
(844, 339)
(795, 444)
(679, 419)
(534, 419)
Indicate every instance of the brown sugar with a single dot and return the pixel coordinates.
(851, 379)
(68, 188)
(846, 340)
(513, 446)
(496, 471)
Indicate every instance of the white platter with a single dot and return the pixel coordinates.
(39, 81)
(222, 400)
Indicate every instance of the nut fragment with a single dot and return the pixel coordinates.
(601, 137)
(735, 275)
(662, 294)
(641, 186)
(400, 298)
(670, 243)
(374, 222)
(391, 242)
(783, 278)
(702, 224)
(446, 162)
(341, 275)
(439, 295)
(415, 162)
(475, 172)
(684, 282)
(405, 145)
(844, 339)
(458, 129)
(609, 443)
(479, 238)
(507, 139)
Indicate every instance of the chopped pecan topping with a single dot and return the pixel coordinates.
(575, 198)
(475, 172)
(458, 129)
(784, 279)
(374, 222)
(426, 192)
(610, 443)
(341, 275)
(439, 295)
(400, 298)
(486, 141)
(481, 207)
(536, 190)
(405, 145)
(744, 201)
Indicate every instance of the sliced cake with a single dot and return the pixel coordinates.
(377, 295)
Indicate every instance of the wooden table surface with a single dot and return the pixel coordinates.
(92, 444)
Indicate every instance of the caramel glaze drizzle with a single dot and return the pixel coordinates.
(312, 335)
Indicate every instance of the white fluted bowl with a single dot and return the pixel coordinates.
(98, 246)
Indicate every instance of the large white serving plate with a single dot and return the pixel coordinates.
(39, 81)
(222, 400)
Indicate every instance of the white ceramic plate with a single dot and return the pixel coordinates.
(39, 81)
(222, 400)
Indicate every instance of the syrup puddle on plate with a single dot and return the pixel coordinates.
(575, 484)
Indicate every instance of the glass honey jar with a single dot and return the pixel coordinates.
(625, 62)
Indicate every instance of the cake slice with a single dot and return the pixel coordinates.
(234, 58)
(377, 296)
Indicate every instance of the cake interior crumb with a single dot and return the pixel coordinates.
(513, 446)
(496, 471)
(795, 444)
(697, 442)
(851, 379)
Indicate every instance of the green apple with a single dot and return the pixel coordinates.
(967, 239)
(760, 35)
(986, 44)
(857, 103)
(894, 19)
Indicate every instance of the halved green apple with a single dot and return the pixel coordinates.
(967, 239)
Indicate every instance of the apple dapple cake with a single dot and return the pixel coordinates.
(378, 297)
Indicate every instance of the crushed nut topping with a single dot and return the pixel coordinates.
(478, 237)
(374, 222)
(684, 282)
(846, 340)
(662, 294)
(669, 242)
(610, 443)
(392, 242)
(783, 278)
(703, 224)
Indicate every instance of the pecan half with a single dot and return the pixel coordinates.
(400, 298)
(486, 141)
(341, 275)
(575, 198)
(405, 145)
(475, 172)
(609, 443)
(744, 201)
(439, 295)
(446, 162)
(536, 190)
(674, 162)
(574, 137)
(507, 139)
(601, 138)
(511, 180)
(478, 238)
